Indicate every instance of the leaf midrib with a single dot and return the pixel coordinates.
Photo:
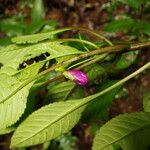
(61, 117)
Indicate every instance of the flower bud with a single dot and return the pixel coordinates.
(77, 76)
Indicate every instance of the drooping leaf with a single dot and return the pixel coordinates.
(47, 123)
(17, 55)
(14, 56)
(120, 128)
(37, 37)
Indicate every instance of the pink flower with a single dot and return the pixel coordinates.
(77, 76)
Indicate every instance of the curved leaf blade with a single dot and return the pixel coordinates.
(120, 128)
(34, 38)
(47, 123)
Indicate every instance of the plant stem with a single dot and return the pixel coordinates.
(146, 66)
(43, 84)
(92, 61)
(78, 40)
(139, 45)
(108, 49)
(93, 33)
(80, 67)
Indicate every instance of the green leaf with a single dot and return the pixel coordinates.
(135, 4)
(60, 91)
(5, 41)
(34, 27)
(120, 25)
(49, 26)
(120, 128)
(6, 130)
(31, 71)
(34, 38)
(15, 56)
(8, 112)
(38, 11)
(9, 84)
(56, 118)
(94, 71)
(11, 26)
(126, 60)
(12, 84)
(146, 102)
(137, 141)
(11, 47)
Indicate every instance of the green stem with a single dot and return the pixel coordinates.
(88, 99)
(83, 29)
(146, 66)
(108, 49)
(84, 46)
(102, 56)
(43, 84)
(93, 33)
(80, 67)
(81, 62)
(78, 40)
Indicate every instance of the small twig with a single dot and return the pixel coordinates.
(139, 45)
(43, 84)
(92, 61)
